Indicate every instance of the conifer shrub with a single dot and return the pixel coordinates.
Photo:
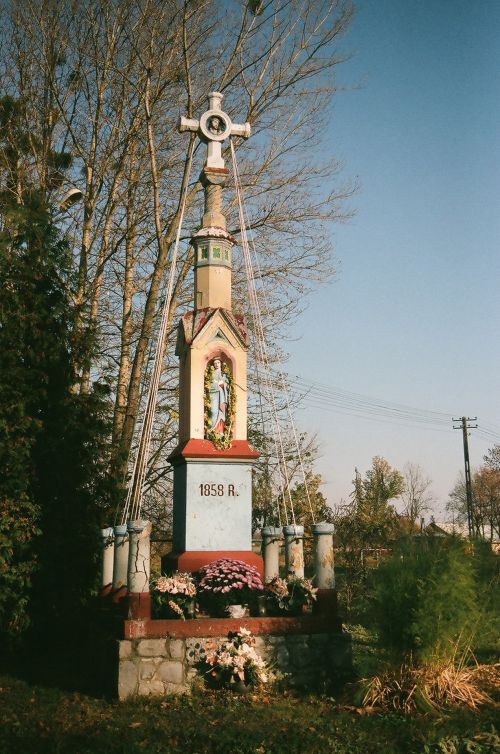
(487, 570)
(425, 599)
(54, 442)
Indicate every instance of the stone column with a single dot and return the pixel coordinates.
(120, 560)
(107, 553)
(294, 550)
(324, 576)
(139, 569)
(271, 540)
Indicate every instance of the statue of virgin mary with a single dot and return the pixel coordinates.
(219, 393)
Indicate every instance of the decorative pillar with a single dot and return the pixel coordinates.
(120, 560)
(324, 575)
(107, 553)
(294, 550)
(139, 569)
(271, 540)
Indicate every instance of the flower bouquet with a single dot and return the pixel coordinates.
(174, 596)
(227, 582)
(289, 596)
(235, 663)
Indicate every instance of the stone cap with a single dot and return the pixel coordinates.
(293, 529)
(135, 527)
(323, 528)
(271, 531)
(120, 530)
(107, 533)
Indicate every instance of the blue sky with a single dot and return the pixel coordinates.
(413, 316)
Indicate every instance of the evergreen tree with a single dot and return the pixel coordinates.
(54, 487)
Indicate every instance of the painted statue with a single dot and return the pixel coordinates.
(218, 398)
(218, 403)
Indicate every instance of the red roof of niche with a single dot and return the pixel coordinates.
(193, 322)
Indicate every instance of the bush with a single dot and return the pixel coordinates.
(425, 601)
(487, 570)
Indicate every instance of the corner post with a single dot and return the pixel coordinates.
(294, 550)
(324, 574)
(271, 541)
(139, 569)
(107, 556)
(120, 560)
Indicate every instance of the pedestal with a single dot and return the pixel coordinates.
(212, 506)
(212, 516)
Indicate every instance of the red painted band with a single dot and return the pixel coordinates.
(139, 606)
(203, 627)
(240, 449)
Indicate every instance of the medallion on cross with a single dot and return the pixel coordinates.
(213, 127)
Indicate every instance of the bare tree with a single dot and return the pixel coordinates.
(485, 514)
(105, 82)
(486, 502)
(417, 497)
(457, 502)
(492, 458)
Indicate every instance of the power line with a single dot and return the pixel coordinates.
(332, 395)
(317, 395)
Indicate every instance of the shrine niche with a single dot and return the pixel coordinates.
(219, 403)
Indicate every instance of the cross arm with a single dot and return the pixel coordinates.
(243, 130)
(188, 124)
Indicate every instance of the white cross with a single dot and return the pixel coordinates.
(213, 128)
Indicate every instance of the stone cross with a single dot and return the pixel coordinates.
(214, 127)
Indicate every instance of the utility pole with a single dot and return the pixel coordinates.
(464, 426)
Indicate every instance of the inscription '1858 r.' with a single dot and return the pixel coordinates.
(217, 490)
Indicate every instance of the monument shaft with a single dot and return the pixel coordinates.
(212, 512)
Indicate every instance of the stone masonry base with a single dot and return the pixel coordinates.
(170, 665)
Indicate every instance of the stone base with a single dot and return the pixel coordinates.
(307, 650)
(139, 605)
(118, 595)
(187, 562)
(326, 602)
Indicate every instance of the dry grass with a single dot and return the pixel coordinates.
(433, 687)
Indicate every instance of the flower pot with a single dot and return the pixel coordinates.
(238, 611)
(262, 605)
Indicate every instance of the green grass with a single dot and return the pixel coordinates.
(38, 719)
